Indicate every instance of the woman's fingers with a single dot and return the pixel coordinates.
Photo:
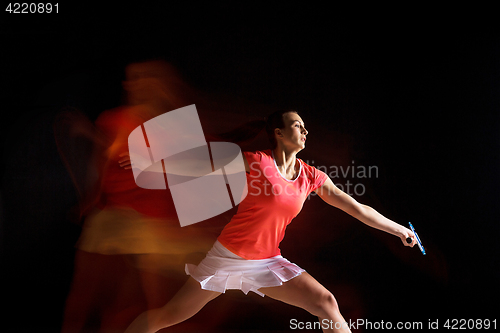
(409, 238)
(125, 162)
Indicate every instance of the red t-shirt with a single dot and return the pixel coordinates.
(258, 227)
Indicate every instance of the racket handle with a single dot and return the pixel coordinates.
(408, 240)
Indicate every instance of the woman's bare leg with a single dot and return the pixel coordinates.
(305, 292)
(187, 302)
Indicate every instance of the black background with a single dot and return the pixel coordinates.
(414, 93)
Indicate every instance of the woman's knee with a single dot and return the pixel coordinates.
(325, 305)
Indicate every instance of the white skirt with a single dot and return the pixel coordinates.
(221, 270)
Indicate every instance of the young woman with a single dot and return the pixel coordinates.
(246, 255)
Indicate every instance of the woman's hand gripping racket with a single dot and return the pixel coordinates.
(409, 240)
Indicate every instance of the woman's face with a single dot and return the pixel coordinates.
(293, 135)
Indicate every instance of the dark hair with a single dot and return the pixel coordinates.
(273, 121)
(251, 129)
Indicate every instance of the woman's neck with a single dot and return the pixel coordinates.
(285, 161)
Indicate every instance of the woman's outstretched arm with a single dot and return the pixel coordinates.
(332, 195)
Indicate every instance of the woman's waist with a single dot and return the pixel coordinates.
(250, 249)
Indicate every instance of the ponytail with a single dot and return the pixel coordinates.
(251, 129)
(243, 133)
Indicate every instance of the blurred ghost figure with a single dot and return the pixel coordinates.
(131, 251)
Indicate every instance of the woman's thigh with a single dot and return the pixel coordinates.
(191, 297)
(302, 291)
